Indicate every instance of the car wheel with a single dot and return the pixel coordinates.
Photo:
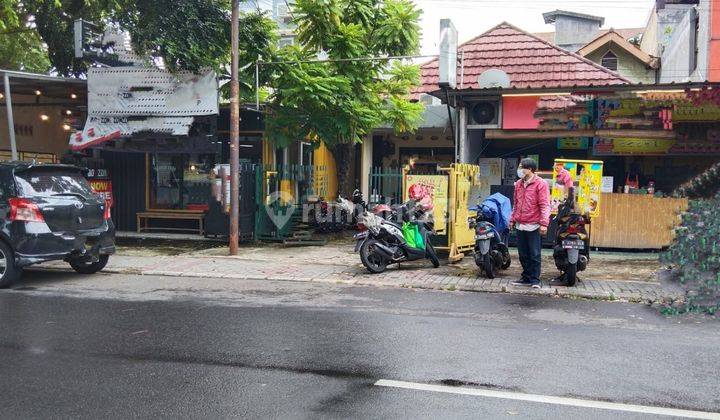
(9, 272)
(86, 267)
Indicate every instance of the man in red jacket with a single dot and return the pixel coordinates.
(530, 217)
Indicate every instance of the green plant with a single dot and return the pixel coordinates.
(695, 253)
(701, 186)
(186, 34)
(339, 102)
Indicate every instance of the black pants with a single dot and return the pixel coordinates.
(529, 245)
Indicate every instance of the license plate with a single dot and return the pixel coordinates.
(483, 237)
(573, 244)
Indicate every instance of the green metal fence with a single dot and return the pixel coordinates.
(281, 192)
(386, 185)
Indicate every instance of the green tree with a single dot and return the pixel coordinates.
(20, 45)
(54, 20)
(341, 101)
(186, 34)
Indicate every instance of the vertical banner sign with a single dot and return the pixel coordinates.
(590, 179)
(587, 178)
(557, 193)
(436, 187)
(100, 182)
(448, 54)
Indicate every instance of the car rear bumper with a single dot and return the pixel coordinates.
(33, 248)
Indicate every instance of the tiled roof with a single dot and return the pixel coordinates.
(528, 60)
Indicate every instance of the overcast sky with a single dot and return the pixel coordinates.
(473, 17)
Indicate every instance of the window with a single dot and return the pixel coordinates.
(180, 181)
(610, 61)
(50, 182)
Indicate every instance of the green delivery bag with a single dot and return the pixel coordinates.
(409, 234)
(412, 235)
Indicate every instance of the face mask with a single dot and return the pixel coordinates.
(521, 173)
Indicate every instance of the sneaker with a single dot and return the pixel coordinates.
(521, 282)
(536, 285)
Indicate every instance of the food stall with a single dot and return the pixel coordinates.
(650, 142)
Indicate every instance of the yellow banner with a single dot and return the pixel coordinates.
(587, 179)
(626, 145)
(690, 112)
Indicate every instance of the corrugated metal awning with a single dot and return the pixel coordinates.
(99, 130)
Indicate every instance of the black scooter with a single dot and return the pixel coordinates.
(383, 242)
(572, 243)
(491, 251)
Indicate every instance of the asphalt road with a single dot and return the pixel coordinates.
(203, 348)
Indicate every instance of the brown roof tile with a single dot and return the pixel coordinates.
(530, 62)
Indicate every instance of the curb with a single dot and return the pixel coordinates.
(423, 284)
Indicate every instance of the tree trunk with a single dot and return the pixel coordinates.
(344, 154)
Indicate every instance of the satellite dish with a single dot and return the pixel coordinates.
(494, 78)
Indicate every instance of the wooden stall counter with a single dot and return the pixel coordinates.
(636, 221)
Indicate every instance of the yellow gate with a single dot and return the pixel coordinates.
(451, 191)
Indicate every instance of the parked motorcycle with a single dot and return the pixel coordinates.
(491, 226)
(383, 242)
(491, 250)
(331, 216)
(572, 242)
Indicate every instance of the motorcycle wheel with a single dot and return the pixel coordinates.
(478, 259)
(571, 275)
(373, 262)
(506, 259)
(489, 266)
(433, 256)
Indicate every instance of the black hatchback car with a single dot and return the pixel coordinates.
(50, 212)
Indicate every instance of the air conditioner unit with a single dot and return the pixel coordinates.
(483, 114)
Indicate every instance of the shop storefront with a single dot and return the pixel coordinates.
(650, 143)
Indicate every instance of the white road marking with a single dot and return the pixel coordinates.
(548, 399)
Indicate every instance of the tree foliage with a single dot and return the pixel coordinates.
(20, 45)
(55, 19)
(695, 253)
(186, 34)
(339, 102)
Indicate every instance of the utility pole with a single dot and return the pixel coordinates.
(234, 132)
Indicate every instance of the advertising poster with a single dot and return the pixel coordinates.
(436, 186)
(104, 188)
(588, 181)
(589, 190)
(490, 174)
(100, 182)
(557, 194)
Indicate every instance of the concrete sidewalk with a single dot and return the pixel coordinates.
(411, 275)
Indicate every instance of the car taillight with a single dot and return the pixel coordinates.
(108, 205)
(24, 210)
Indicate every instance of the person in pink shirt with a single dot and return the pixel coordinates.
(530, 217)
(563, 178)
